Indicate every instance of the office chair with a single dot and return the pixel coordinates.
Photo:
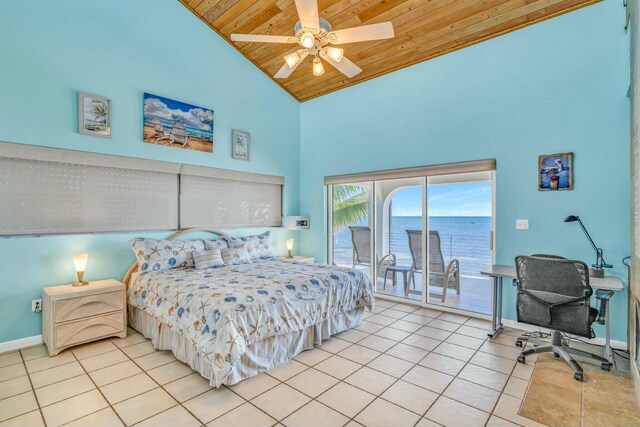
(554, 293)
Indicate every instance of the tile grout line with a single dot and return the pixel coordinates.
(181, 404)
(159, 386)
(33, 390)
(467, 362)
(97, 388)
(284, 382)
(415, 364)
(361, 365)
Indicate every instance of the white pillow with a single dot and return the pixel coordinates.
(212, 244)
(158, 255)
(208, 259)
(236, 255)
(258, 245)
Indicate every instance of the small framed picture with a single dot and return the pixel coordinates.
(241, 144)
(94, 115)
(555, 172)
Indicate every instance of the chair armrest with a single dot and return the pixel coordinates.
(453, 268)
(385, 262)
(392, 259)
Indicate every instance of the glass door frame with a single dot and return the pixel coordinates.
(492, 249)
(424, 301)
(371, 222)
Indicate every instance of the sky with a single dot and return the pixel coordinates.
(170, 110)
(465, 199)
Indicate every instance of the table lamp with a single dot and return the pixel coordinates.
(600, 265)
(80, 261)
(289, 248)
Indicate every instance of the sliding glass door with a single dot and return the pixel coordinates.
(351, 207)
(398, 227)
(380, 227)
(460, 218)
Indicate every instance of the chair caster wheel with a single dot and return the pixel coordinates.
(522, 359)
(606, 366)
(519, 343)
(556, 355)
(578, 376)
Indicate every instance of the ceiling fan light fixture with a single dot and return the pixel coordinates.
(307, 40)
(292, 59)
(335, 53)
(318, 68)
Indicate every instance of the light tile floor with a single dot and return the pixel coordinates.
(403, 366)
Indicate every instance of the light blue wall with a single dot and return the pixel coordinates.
(120, 49)
(554, 87)
(557, 86)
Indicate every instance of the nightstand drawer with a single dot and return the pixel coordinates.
(89, 329)
(90, 305)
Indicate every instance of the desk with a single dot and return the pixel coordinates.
(498, 272)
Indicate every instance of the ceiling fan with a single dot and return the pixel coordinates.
(314, 35)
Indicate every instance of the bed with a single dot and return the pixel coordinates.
(233, 322)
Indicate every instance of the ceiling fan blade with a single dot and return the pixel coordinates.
(345, 66)
(308, 14)
(262, 38)
(383, 30)
(285, 71)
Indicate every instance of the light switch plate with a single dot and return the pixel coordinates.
(522, 224)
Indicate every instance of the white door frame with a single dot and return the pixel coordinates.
(424, 301)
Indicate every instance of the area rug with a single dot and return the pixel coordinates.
(554, 398)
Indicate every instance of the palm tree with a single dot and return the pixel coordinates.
(350, 205)
(99, 110)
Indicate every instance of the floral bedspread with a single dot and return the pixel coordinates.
(224, 310)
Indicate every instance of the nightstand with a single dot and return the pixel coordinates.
(298, 258)
(73, 315)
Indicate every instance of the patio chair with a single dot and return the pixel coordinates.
(438, 275)
(361, 239)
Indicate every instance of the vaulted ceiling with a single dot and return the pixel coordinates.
(424, 29)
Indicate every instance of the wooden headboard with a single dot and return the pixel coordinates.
(134, 267)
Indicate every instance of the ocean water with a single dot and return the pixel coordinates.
(462, 237)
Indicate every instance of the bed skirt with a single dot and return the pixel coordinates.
(260, 356)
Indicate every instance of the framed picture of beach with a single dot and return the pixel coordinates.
(555, 172)
(241, 144)
(176, 124)
(94, 115)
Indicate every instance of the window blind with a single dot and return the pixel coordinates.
(43, 197)
(225, 203)
(53, 191)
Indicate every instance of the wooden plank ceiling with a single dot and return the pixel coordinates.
(424, 29)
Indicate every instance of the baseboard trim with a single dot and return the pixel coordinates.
(618, 345)
(20, 343)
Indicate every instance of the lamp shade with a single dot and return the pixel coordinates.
(80, 261)
(290, 244)
(571, 218)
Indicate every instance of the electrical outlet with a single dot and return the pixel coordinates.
(522, 224)
(36, 305)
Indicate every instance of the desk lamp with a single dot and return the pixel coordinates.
(600, 265)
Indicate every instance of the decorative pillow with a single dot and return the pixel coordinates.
(212, 244)
(258, 246)
(158, 255)
(235, 255)
(208, 259)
